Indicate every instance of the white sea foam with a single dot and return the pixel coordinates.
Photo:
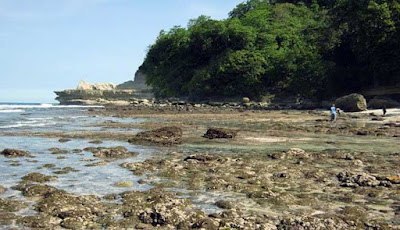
(39, 118)
(11, 110)
(43, 106)
(31, 122)
(27, 124)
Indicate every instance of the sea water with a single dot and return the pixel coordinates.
(84, 180)
(36, 117)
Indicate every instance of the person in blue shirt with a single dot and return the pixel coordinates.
(333, 113)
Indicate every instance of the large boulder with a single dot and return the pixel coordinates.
(15, 153)
(352, 103)
(163, 136)
(220, 133)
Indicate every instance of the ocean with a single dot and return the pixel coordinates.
(39, 117)
(18, 119)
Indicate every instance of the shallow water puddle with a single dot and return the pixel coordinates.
(83, 180)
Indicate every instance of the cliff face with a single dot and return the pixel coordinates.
(106, 93)
(142, 91)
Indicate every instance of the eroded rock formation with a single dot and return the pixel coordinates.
(106, 93)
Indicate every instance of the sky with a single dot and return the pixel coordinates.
(48, 45)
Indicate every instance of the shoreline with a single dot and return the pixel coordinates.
(283, 167)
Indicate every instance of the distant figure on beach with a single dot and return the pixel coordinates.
(333, 113)
(384, 110)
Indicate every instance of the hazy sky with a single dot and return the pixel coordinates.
(48, 45)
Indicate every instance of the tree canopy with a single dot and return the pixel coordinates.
(313, 48)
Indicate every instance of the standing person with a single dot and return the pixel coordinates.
(333, 113)
(384, 110)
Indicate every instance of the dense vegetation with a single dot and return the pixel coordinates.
(313, 48)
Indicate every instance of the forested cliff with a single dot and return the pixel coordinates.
(315, 48)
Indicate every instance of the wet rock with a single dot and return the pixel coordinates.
(277, 155)
(64, 205)
(110, 197)
(11, 205)
(261, 194)
(15, 153)
(348, 157)
(362, 133)
(224, 204)
(377, 119)
(220, 133)
(308, 222)
(349, 179)
(7, 218)
(281, 175)
(50, 166)
(116, 152)
(65, 170)
(77, 150)
(355, 215)
(62, 140)
(38, 177)
(201, 158)
(163, 136)
(158, 207)
(2, 189)
(206, 223)
(298, 153)
(72, 223)
(101, 163)
(143, 226)
(352, 103)
(88, 159)
(58, 151)
(15, 164)
(39, 222)
(34, 190)
(96, 142)
(124, 184)
(136, 167)
(358, 163)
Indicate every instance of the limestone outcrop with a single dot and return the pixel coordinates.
(106, 93)
(93, 97)
(83, 85)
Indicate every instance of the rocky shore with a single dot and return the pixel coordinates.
(216, 167)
